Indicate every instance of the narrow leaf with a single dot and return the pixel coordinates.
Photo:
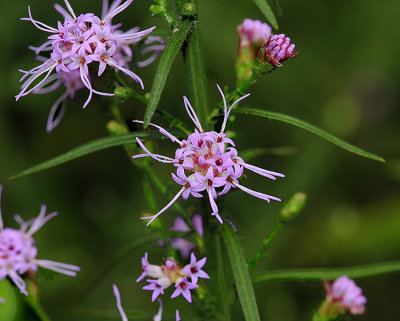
(170, 52)
(240, 270)
(267, 11)
(197, 76)
(311, 128)
(93, 146)
(355, 272)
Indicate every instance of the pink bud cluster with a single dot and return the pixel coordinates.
(347, 294)
(79, 42)
(162, 276)
(253, 32)
(207, 161)
(18, 250)
(278, 48)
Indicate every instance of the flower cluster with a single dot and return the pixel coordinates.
(172, 273)
(18, 250)
(184, 246)
(347, 294)
(72, 82)
(277, 49)
(211, 161)
(78, 42)
(253, 32)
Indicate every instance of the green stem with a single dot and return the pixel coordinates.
(265, 245)
(196, 73)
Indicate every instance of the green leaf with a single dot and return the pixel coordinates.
(197, 76)
(169, 54)
(355, 272)
(93, 146)
(267, 11)
(311, 128)
(241, 273)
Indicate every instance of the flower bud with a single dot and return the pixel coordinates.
(278, 48)
(293, 206)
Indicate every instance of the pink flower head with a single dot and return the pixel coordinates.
(349, 296)
(78, 42)
(278, 48)
(194, 269)
(18, 250)
(253, 32)
(172, 273)
(207, 161)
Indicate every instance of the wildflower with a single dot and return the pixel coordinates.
(194, 269)
(78, 42)
(349, 296)
(253, 33)
(277, 49)
(173, 273)
(205, 163)
(18, 250)
(181, 244)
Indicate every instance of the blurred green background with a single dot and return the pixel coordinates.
(345, 80)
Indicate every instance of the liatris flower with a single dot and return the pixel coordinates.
(277, 49)
(18, 250)
(78, 42)
(347, 294)
(181, 244)
(210, 164)
(253, 33)
(172, 273)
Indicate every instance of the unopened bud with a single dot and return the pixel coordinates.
(115, 128)
(293, 206)
(122, 92)
(277, 49)
(189, 9)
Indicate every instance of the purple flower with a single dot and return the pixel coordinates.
(151, 270)
(78, 42)
(194, 269)
(157, 286)
(173, 273)
(349, 296)
(183, 287)
(18, 250)
(207, 161)
(278, 49)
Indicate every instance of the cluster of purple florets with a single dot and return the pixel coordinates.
(18, 250)
(162, 276)
(205, 161)
(279, 48)
(80, 41)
